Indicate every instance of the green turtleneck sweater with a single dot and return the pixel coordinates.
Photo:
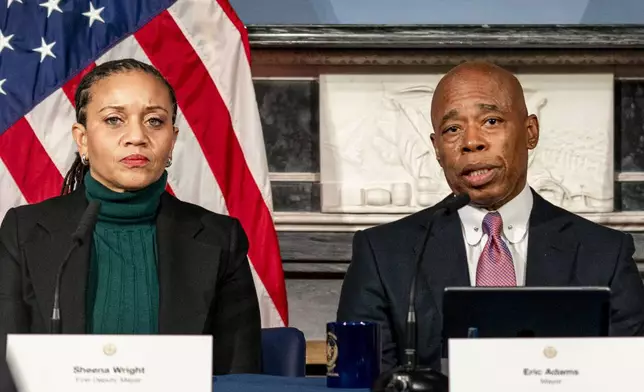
(123, 287)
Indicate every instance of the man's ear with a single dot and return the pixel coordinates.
(436, 152)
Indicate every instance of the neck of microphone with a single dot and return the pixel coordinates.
(448, 206)
(86, 224)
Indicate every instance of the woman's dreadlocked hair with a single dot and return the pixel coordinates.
(76, 174)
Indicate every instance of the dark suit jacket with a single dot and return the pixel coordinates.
(563, 250)
(205, 282)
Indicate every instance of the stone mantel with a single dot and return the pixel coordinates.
(447, 36)
(320, 222)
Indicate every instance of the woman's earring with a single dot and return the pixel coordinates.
(169, 162)
(84, 160)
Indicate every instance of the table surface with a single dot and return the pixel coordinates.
(257, 382)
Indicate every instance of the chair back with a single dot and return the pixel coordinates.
(283, 352)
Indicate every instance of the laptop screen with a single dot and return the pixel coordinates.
(513, 312)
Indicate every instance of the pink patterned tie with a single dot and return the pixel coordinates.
(495, 267)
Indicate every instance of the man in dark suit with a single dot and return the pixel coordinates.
(507, 236)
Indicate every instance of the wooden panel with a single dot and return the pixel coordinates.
(315, 246)
(316, 352)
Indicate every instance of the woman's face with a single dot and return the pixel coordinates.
(129, 134)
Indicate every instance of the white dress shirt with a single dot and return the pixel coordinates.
(515, 215)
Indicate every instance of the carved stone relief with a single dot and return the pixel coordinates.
(376, 154)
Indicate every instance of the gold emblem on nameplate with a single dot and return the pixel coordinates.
(109, 349)
(550, 352)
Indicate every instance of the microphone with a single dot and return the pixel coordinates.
(86, 224)
(408, 377)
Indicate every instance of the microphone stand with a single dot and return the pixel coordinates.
(409, 377)
(54, 323)
(86, 224)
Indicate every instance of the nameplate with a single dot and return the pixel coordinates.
(530, 365)
(136, 363)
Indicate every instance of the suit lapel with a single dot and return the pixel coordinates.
(187, 269)
(46, 249)
(444, 262)
(552, 247)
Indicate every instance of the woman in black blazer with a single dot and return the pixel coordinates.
(152, 264)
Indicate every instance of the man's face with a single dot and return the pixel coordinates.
(482, 137)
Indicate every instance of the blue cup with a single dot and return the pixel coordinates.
(353, 353)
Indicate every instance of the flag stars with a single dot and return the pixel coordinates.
(45, 49)
(51, 5)
(13, 1)
(1, 90)
(4, 41)
(94, 14)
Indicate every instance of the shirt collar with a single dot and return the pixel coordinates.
(515, 215)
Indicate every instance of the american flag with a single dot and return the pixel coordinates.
(201, 47)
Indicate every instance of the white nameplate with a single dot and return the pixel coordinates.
(527, 365)
(137, 363)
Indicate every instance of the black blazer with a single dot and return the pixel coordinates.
(563, 250)
(205, 282)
